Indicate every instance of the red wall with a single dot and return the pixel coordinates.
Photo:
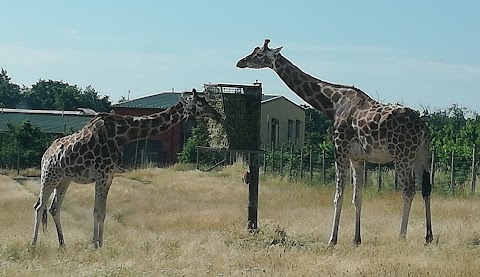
(171, 139)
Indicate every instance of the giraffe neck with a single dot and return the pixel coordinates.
(128, 128)
(304, 85)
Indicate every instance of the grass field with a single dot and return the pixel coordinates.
(163, 222)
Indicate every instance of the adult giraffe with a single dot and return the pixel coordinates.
(94, 153)
(363, 130)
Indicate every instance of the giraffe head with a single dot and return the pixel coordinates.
(261, 57)
(197, 105)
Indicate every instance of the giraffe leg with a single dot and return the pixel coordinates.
(41, 209)
(99, 210)
(56, 205)
(358, 183)
(338, 201)
(408, 189)
(424, 179)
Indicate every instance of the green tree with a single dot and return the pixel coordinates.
(317, 127)
(318, 135)
(199, 137)
(54, 95)
(58, 95)
(25, 143)
(89, 98)
(10, 93)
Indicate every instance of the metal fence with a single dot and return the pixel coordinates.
(317, 164)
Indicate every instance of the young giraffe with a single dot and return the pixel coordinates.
(363, 130)
(95, 152)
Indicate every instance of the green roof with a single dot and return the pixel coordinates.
(164, 100)
(269, 97)
(48, 123)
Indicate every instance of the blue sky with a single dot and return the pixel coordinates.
(420, 53)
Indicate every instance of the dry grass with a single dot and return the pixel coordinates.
(23, 172)
(190, 223)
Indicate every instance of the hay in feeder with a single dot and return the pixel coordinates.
(240, 106)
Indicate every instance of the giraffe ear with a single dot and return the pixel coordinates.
(277, 50)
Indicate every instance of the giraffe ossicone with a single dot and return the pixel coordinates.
(364, 130)
(94, 153)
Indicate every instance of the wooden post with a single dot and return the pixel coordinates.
(18, 160)
(265, 161)
(273, 158)
(324, 169)
(365, 174)
(291, 162)
(474, 169)
(301, 163)
(310, 168)
(281, 160)
(198, 158)
(253, 192)
(136, 154)
(145, 158)
(379, 177)
(225, 163)
(452, 173)
(432, 169)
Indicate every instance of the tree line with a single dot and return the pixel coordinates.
(50, 95)
(22, 145)
(453, 130)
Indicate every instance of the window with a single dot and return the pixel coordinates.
(298, 124)
(290, 131)
(274, 132)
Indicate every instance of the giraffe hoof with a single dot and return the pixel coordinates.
(428, 239)
(332, 243)
(357, 242)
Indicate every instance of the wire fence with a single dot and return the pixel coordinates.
(317, 165)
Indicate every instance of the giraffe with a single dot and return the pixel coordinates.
(94, 153)
(364, 130)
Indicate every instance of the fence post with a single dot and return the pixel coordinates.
(273, 158)
(324, 170)
(281, 160)
(264, 160)
(311, 166)
(136, 155)
(198, 156)
(474, 168)
(18, 160)
(301, 163)
(379, 177)
(452, 173)
(291, 161)
(365, 174)
(432, 169)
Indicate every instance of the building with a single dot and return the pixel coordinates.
(282, 121)
(157, 149)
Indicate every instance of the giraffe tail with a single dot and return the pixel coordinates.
(44, 219)
(426, 184)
